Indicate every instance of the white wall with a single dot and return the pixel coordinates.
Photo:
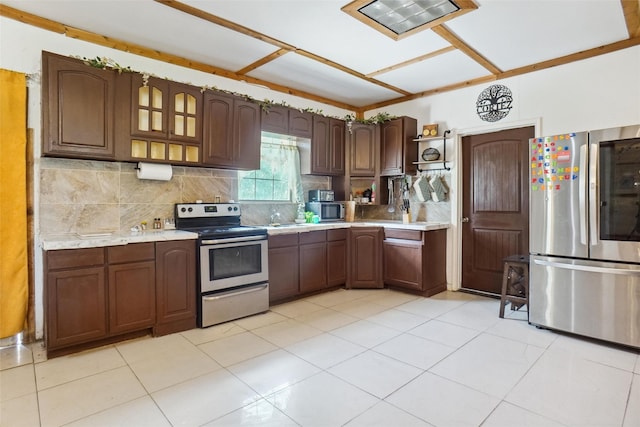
(595, 93)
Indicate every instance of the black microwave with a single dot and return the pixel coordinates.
(327, 211)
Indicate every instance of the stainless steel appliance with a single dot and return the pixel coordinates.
(233, 269)
(327, 211)
(321, 196)
(585, 234)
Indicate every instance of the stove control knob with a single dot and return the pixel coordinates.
(235, 208)
(229, 208)
(183, 209)
(190, 209)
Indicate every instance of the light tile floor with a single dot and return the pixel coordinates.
(344, 358)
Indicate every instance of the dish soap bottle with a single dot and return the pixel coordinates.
(373, 192)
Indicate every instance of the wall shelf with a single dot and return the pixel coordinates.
(442, 161)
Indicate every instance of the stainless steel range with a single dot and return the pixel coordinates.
(233, 270)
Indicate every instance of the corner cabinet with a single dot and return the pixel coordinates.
(398, 150)
(231, 132)
(78, 104)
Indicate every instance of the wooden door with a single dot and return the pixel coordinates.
(132, 296)
(320, 145)
(364, 143)
(496, 203)
(336, 165)
(391, 148)
(217, 134)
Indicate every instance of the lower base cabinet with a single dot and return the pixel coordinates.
(415, 260)
(365, 257)
(95, 296)
(304, 263)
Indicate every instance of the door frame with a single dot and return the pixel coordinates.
(456, 208)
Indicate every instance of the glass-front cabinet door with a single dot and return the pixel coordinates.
(165, 121)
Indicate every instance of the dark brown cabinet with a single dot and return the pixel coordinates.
(175, 286)
(300, 124)
(99, 295)
(365, 257)
(75, 297)
(398, 151)
(336, 257)
(283, 266)
(78, 104)
(415, 260)
(327, 146)
(164, 123)
(364, 142)
(313, 261)
(132, 287)
(287, 121)
(231, 133)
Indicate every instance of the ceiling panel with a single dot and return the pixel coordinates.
(311, 76)
(155, 26)
(506, 33)
(513, 34)
(322, 28)
(443, 70)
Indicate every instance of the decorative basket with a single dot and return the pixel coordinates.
(430, 154)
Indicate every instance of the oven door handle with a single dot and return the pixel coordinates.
(235, 293)
(232, 240)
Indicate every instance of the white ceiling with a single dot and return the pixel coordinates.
(507, 33)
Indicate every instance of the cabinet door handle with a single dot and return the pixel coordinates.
(465, 219)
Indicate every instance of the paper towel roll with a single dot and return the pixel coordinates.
(154, 171)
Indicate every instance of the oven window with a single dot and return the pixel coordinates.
(234, 261)
(620, 190)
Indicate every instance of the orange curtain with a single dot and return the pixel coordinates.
(14, 286)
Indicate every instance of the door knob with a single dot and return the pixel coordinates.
(465, 219)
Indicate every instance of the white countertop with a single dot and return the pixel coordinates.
(301, 228)
(76, 241)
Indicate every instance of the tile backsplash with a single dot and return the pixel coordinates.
(82, 196)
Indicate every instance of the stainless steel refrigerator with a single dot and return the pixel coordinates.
(585, 234)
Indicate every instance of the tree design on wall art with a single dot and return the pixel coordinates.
(494, 103)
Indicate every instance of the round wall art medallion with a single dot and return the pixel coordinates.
(494, 103)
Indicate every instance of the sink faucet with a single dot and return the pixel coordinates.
(275, 217)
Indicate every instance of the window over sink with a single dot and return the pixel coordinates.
(278, 178)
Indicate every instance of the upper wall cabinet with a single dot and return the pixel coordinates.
(327, 146)
(364, 141)
(287, 121)
(397, 148)
(78, 103)
(165, 120)
(231, 132)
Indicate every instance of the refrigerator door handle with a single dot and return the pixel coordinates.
(582, 194)
(591, 268)
(593, 194)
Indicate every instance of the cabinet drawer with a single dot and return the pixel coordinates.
(313, 237)
(131, 253)
(283, 240)
(337, 234)
(70, 258)
(396, 233)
